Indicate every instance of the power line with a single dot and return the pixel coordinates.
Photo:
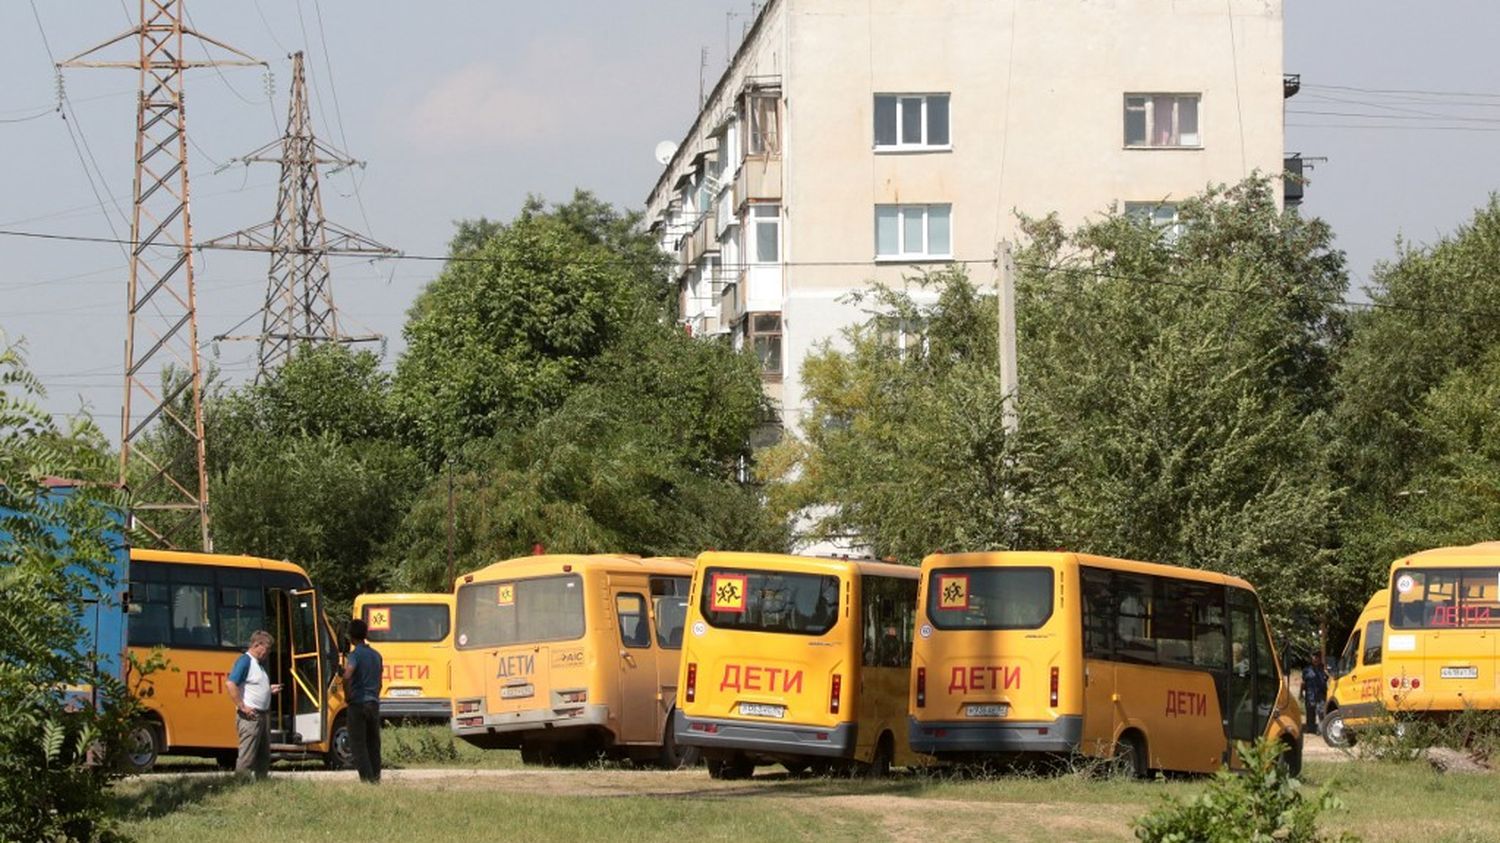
(1412, 91)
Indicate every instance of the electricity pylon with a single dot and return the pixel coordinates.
(299, 304)
(162, 452)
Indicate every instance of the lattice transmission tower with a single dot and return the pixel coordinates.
(161, 422)
(299, 306)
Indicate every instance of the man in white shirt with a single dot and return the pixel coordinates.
(251, 689)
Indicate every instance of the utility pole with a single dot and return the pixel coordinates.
(1006, 302)
(299, 304)
(162, 451)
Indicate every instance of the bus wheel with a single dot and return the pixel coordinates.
(1290, 759)
(1335, 732)
(730, 769)
(225, 759)
(340, 754)
(143, 746)
(1130, 756)
(672, 756)
(880, 763)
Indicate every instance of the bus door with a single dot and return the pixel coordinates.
(669, 610)
(639, 685)
(1253, 679)
(301, 707)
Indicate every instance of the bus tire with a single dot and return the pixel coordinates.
(531, 754)
(730, 769)
(880, 761)
(225, 759)
(1130, 756)
(143, 746)
(1290, 759)
(340, 755)
(1335, 731)
(672, 756)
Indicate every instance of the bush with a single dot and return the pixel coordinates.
(1262, 802)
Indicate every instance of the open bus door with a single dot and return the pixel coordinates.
(302, 706)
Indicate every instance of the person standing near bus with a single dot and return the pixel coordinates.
(1314, 691)
(250, 688)
(362, 674)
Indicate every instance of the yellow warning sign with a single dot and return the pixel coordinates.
(953, 591)
(378, 618)
(728, 593)
(507, 594)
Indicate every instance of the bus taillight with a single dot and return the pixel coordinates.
(833, 693)
(691, 692)
(921, 687)
(1053, 697)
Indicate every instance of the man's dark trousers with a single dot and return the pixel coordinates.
(364, 739)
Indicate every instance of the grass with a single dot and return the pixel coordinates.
(440, 800)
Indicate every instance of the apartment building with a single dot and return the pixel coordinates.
(852, 141)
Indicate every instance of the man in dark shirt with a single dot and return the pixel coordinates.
(1314, 691)
(362, 673)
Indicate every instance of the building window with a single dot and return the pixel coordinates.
(1162, 215)
(913, 231)
(763, 331)
(764, 124)
(765, 231)
(1162, 120)
(911, 121)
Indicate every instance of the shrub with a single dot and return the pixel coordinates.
(1262, 802)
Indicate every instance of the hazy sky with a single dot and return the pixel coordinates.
(463, 108)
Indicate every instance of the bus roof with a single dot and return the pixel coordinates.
(403, 597)
(1483, 553)
(823, 564)
(222, 560)
(523, 566)
(1053, 558)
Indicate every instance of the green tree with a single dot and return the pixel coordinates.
(308, 467)
(509, 328)
(56, 759)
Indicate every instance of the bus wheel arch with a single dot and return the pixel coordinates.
(145, 743)
(1130, 755)
(1290, 757)
(340, 755)
(672, 756)
(883, 756)
(1335, 731)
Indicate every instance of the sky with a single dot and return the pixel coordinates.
(462, 108)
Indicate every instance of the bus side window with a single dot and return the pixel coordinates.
(1374, 640)
(631, 611)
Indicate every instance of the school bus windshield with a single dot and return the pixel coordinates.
(1446, 598)
(415, 622)
(990, 598)
(770, 601)
(496, 614)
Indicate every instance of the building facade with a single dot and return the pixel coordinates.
(853, 141)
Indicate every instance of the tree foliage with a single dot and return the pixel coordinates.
(56, 758)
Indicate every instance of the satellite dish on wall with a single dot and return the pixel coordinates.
(664, 152)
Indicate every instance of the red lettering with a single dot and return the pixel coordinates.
(1013, 677)
(771, 673)
(730, 670)
(752, 678)
(1186, 704)
(422, 672)
(193, 689)
(791, 682)
(958, 680)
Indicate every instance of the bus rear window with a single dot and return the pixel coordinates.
(1445, 598)
(770, 601)
(407, 622)
(990, 598)
(499, 613)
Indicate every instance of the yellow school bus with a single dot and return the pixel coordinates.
(1425, 645)
(570, 657)
(201, 608)
(1022, 653)
(797, 661)
(414, 635)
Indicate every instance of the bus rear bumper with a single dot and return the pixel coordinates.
(942, 737)
(767, 738)
(425, 709)
(531, 720)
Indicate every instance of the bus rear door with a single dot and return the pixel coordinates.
(302, 705)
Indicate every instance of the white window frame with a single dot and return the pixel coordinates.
(1146, 103)
(1161, 215)
(904, 251)
(901, 145)
(756, 215)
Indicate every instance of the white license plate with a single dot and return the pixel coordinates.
(1459, 673)
(515, 692)
(986, 710)
(404, 692)
(762, 710)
